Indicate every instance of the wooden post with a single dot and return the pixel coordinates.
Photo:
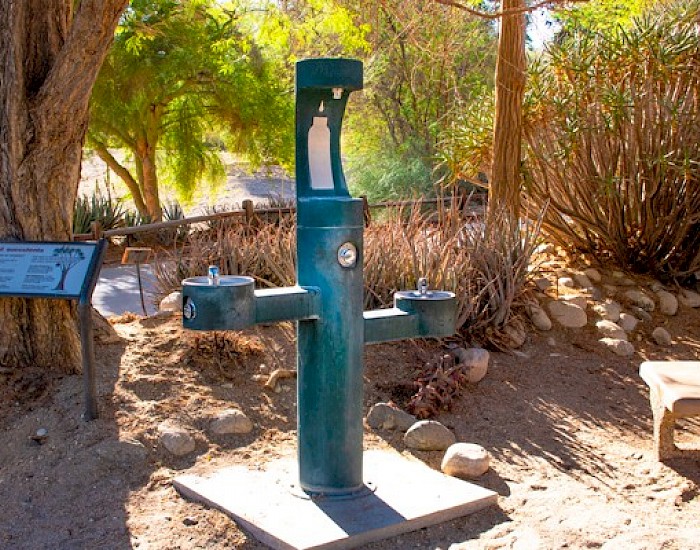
(367, 215)
(249, 211)
(96, 228)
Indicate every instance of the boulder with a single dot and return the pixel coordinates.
(640, 299)
(539, 317)
(661, 336)
(628, 322)
(578, 299)
(231, 421)
(608, 310)
(475, 359)
(593, 274)
(611, 330)
(428, 435)
(383, 416)
(640, 314)
(465, 460)
(582, 280)
(542, 283)
(689, 298)
(175, 439)
(567, 314)
(617, 346)
(668, 303)
(172, 302)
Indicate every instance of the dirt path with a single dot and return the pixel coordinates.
(566, 421)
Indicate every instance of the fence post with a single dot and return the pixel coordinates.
(249, 211)
(96, 228)
(366, 214)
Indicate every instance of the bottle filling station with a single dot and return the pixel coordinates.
(332, 330)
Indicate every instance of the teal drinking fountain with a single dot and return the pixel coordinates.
(327, 300)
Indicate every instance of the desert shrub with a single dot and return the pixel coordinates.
(486, 266)
(613, 131)
(106, 210)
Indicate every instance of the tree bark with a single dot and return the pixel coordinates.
(505, 186)
(50, 60)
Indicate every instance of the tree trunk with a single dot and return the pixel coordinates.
(505, 186)
(50, 59)
(149, 179)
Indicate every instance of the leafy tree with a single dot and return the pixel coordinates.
(66, 259)
(178, 72)
(51, 54)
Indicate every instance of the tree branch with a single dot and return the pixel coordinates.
(123, 173)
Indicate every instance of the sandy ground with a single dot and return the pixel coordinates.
(566, 422)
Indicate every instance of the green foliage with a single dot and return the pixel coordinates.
(109, 212)
(602, 15)
(613, 131)
(180, 71)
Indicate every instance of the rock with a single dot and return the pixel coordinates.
(383, 416)
(172, 302)
(231, 421)
(668, 303)
(611, 330)
(596, 294)
(582, 280)
(40, 436)
(513, 336)
(428, 435)
(639, 313)
(628, 322)
(608, 311)
(656, 286)
(661, 336)
(124, 453)
(465, 460)
(579, 300)
(568, 314)
(609, 290)
(538, 317)
(626, 281)
(566, 281)
(477, 359)
(175, 439)
(639, 299)
(593, 274)
(689, 298)
(619, 347)
(542, 283)
(618, 274)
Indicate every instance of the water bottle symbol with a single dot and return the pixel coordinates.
(213, 275)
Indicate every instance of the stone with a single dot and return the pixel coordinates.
(611, 330)
(640, 314)
(626, 281)
(566, 281)
(231, 421)
(513, 336)
(428, 435)
(172, 302)
(689, 298)
(661, 336)
(609, 290)
(539, 317)
(542, 283)
(596, 294)
(465, 460)
(618, 347)
(628, 322)
(383, 416)
(668, 303)
(593, 274)
(477, 361)
(578, 299)
(608, 310)
(123, 453)
(640, 299)
(582, 280)
(618, 274)
(176, 440)
(656, 286)
(567, 314)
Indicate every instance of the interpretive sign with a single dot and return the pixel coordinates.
(63, 270)
(41, 269)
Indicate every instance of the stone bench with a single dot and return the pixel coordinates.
(674, 392)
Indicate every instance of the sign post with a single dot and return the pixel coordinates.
(63, 271)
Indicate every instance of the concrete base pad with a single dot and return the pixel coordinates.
(407, 495)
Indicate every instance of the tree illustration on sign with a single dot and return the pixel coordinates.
(66, 259)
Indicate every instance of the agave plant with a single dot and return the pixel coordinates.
(96, 208)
